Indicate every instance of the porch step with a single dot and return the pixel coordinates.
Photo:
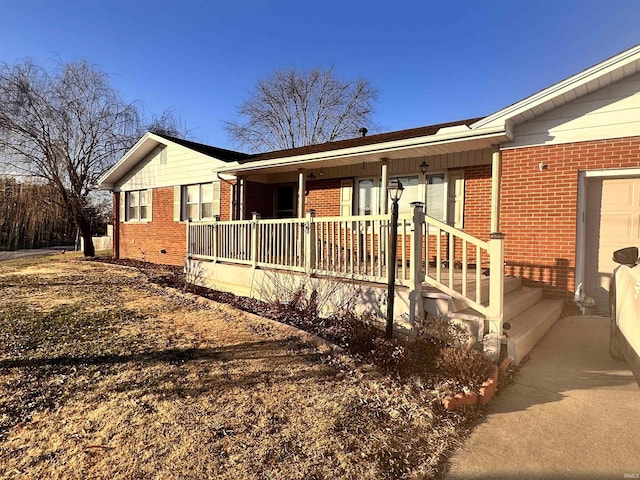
(439, 303)
(515, 302)
(529, 316)
(528, 328)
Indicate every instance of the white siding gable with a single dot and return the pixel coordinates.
(610, 112)
(171, 165)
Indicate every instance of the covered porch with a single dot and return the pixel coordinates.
(327, 215)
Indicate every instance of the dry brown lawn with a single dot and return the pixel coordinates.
(104, 375)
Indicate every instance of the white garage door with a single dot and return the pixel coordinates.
(612, 222)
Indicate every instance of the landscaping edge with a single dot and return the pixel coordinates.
(486, 393)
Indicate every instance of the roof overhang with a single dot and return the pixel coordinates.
(447, 140)
(143, 147)
(599, 76)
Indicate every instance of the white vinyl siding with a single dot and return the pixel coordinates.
(610, 112)
(138, 205)
(169, 166)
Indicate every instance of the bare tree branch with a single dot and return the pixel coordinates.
(67, 126)
(289, 109)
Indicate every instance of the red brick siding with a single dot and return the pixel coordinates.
(477, 201)
(259, 198)
(226, 191)
(116, 225)
(144, 241)
(324, 197)
(539, 208)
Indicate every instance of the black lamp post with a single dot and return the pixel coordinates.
(395, 189)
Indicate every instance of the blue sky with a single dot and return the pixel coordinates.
(431, 61)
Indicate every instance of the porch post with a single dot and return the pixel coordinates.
(254, 238)
(241, 197)
(416, 303)
(495, 310)
(310, 244)
(301, 191)
(384, 200)
(496, 160)
(188, 237)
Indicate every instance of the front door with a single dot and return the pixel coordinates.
(285, 201)
(612, 222)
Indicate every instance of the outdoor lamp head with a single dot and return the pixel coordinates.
(395, 189)
(424, 166)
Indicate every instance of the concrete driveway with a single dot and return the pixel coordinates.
(573, 412)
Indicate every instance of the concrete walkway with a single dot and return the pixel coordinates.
(573, 412)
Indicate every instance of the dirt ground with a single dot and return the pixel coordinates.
(104, 375)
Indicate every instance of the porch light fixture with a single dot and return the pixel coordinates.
(311, 177)
(395, 189)
(424, 168)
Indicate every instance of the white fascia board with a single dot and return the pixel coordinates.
(128, 160)
(593, 73)
(377, 148)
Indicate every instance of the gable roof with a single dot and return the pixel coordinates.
(611, 70)
(211, 151)
(148, 142)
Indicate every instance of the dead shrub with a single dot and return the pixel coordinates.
(465, 366)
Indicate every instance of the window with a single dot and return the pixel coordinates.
(436, 196)
(201, 201)
(369, 190)
(412, 192)
(368, 203)
(138, 205)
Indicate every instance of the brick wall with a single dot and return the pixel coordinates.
(324, 197)
(144, 241)
(539, 208)
(477, 201)
(225, 199)
(259, 198)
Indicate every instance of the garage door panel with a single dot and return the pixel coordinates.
(612, 222)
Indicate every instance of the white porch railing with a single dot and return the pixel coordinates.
(357, 247)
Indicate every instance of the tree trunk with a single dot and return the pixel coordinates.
(85, 231)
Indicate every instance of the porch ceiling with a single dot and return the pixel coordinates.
(412, 148)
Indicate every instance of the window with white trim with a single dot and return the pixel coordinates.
(437, 196)
(201, 201)
(369, 190)
(138, 205)
(368, 203)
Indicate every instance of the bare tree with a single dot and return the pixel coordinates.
(289, 109)
(31, 215)
(66, 127)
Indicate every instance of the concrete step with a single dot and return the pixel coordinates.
(519, 300)
(529, 326)
(515, 302)
(439, 303)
